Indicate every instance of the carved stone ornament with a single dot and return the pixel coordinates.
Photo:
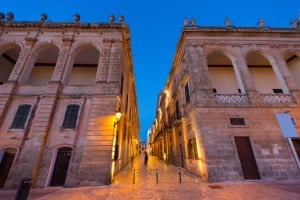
(30, 40)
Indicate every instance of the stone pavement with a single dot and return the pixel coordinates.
(165, 186)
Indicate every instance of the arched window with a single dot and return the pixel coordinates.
(264, 77)
(44, 66)
(84, 67)
(222, 75)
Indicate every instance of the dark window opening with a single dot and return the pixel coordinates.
(214, 90)
(187, 93)
(71, 116)
(237, 121)
(122, 83)
(192, 149)
(277, 91)
(239, 90)
(21, 117)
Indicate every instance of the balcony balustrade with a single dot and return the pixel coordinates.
(276, 98)
(232, 99)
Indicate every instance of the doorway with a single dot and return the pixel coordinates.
(247, 159)
(7, 157)
(181, 156)
(296, 143)
(61, 166)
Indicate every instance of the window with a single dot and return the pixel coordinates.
(21, 117)
(239, 90)
(192, 149)
(71, 116)
(237, 121)
(214, 90)
(276, 90)
(187, 93)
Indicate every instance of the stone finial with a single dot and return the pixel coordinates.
(295, 23)
(185, 21)
(111, 18)
(43, 17)
(121, 18)
(2, 16)
(227, 21)
(260, 22)
(192, 21)
(10, 16)
(76, 18)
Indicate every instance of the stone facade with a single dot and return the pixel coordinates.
(50, 66)
(216, 115)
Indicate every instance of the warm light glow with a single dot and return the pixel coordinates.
(113, 167)
(118, 115)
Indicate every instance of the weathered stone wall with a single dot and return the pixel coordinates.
(92, 139)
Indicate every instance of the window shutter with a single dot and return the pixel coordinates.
(71, 116)
(21, 116)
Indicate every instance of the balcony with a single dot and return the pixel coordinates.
(175, 118)
(167, 126)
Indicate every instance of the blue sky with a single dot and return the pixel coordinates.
(154, 28)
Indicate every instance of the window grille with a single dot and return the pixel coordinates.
(237, 121)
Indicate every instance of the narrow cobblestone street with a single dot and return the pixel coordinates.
(165, 185)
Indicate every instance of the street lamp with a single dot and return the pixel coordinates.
(118, 115)
(115, 153)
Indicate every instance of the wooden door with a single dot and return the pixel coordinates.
(61, 166)
(247, 159)
(5, 165)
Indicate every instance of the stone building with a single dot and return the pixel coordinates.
(230, 108)
(68, 110)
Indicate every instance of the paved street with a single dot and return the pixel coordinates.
(167, 186)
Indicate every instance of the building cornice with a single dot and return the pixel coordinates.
(60, 25)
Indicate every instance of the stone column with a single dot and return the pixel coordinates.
(8, 88)
(103, 62)
(62, 60)
(114, 62)
(240, 63)
(30, 155)
(96, 162)
(195, 60)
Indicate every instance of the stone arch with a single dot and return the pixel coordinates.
(9, 54)
(83, 64)
(40, 66)
(292, 60)
(264, 71)
(223, 74)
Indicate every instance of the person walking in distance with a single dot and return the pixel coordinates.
(146, 158)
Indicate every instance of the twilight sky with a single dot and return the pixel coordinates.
(154, 29)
